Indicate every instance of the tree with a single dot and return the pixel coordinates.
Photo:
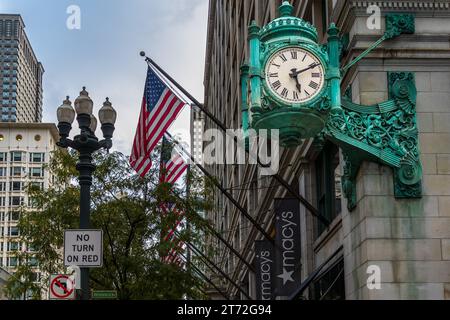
(127, 208)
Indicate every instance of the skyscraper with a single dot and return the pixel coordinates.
(21, 73)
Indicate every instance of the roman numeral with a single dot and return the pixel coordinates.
(276, 85)
(294, 55)
(283, 57)
(273, 75)
(285, 92)
(313, 85)
(304, 57)
(307, 93)
(276, 65)
(315, 75)
(295, 95)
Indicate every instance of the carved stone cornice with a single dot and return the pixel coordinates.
(345, 11)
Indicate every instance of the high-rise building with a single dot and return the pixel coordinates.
(21, 73)
(407, 240)
(25, 149)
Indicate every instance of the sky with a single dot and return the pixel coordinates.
(103, 54)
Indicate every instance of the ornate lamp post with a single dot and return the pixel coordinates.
(86, 143)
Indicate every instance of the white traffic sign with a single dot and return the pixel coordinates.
(83, 248)
(62, 287)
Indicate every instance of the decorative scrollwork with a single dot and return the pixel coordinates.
(396, 24)
(391, 137)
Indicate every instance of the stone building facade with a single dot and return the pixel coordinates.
(407, 240)
(25, 150)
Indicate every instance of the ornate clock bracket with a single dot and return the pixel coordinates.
(385, 133)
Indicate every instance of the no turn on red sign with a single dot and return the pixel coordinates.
(62, 287)
(83, 248)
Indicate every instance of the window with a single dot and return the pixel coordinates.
(37, 185)
(13, 246)
(35, 276)
(2, 172)
(2, 218)
(36, 172)
(13, 231)
(37, 138)
(3, 155)
(331, 285)
(37, 157)
(32, 202)
(15, 186)
(17, 156)
(12, 261)
(2, 186)
(328, 196)
(19, 136)
(14, 216)
(16, 171)
(2, 201)
(33, 262)
(15, 201)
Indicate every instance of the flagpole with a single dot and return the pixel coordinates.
(218, 236)
(224, 191)
(206, 278)
(314, 211)
(194, 249)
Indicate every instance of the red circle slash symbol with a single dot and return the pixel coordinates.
(61, 282)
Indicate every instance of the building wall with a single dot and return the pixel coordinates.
(409, 238)
(21, 73)
(406, 238)
(29, 140)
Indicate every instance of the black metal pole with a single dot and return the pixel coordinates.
(225, 192)
(276, 176)
(211, 263)
(201, 274)
(305, 284)
(85, 168)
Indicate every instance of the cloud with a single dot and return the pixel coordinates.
(104, 54)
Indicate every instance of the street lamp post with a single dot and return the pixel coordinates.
(86, 143)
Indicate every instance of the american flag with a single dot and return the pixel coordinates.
(160, 107)
(172, 163)
(179, 214)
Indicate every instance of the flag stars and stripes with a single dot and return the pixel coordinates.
(160, 107)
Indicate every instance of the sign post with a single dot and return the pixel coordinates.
(83, 248)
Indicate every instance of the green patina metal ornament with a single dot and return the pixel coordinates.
(293, 84)
(293, 100)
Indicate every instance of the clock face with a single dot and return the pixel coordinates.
(294, 75)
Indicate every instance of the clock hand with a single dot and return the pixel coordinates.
(295, 73)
